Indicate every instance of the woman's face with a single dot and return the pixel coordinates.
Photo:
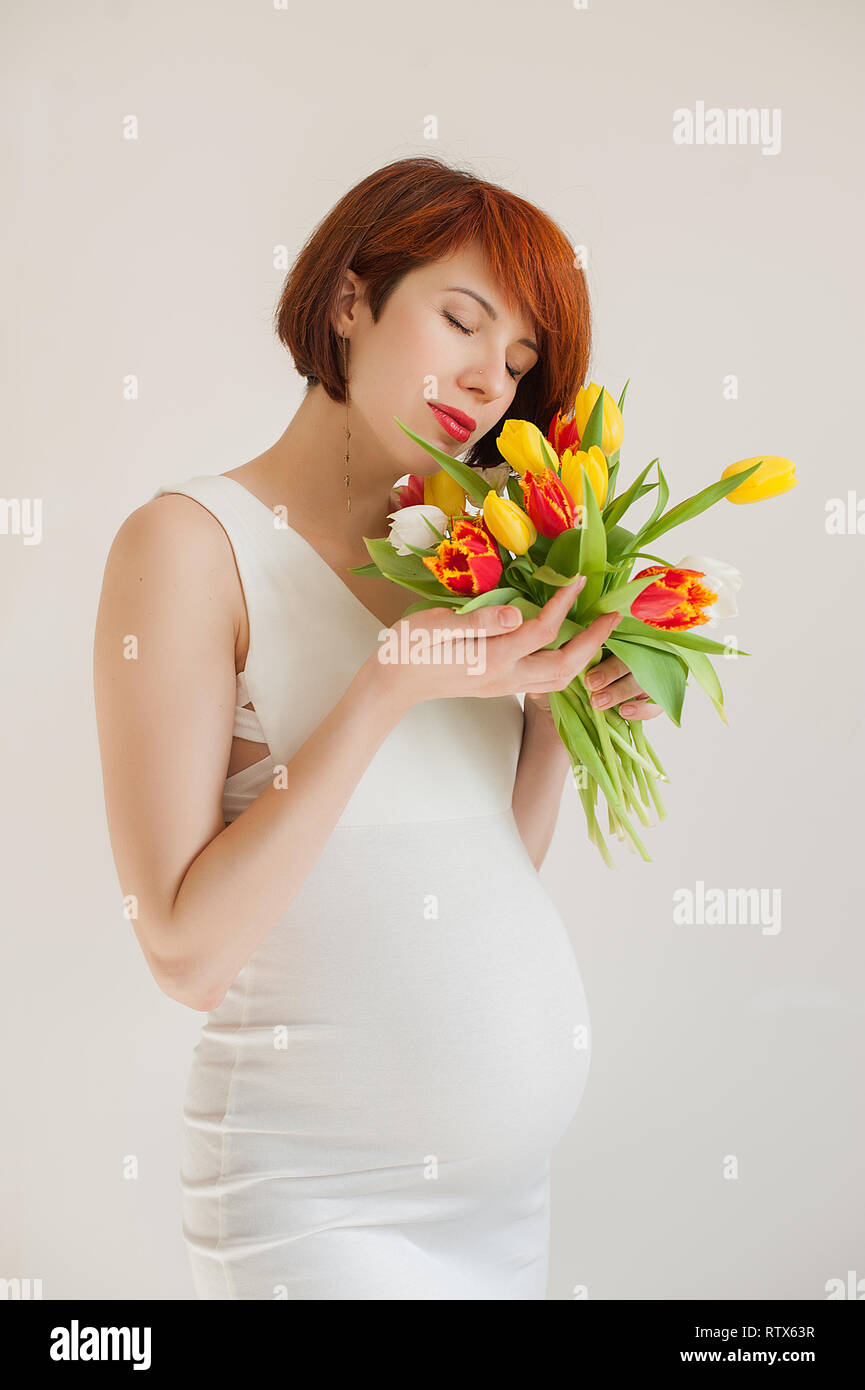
(435, 342)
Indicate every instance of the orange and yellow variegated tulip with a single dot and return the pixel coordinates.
(614, 426)
(679, 599)
(509, 523)
(444, 492)
(774, 476)
(550, 506)
(563, 434)
(525, 448)
(467, 563)
(595, 463)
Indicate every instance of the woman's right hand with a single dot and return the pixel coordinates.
(470, 663)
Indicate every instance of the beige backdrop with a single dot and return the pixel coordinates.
(154, 257)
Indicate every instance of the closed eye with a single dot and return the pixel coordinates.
(514, 372)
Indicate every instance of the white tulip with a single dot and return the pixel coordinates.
(725, 579)
(408, 525)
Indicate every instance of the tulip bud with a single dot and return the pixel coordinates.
(408, 525)
(614, 427)
(509, 523)
(442, 491)
(548, 503)
(774, 476)
(525, 448)
(408, 494)
(595, 464)
(563, 434)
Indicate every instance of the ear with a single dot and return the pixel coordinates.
(352, 294)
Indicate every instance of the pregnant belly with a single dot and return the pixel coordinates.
(420, 997)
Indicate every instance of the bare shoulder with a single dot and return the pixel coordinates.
(174, 539)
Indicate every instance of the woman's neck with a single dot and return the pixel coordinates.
(305, 471)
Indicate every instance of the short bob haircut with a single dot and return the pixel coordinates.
(418, 210)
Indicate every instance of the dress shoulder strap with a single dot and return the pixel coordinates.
(247, 523)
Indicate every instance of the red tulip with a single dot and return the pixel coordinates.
(408, 494)
(675, 601)
(468, 562)
(548, 502)
(563, 434)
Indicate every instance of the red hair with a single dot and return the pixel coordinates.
(415, 211)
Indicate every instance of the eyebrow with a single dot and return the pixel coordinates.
(527, 342)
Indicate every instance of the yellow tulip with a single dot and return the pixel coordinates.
(774, 476)
(614, 427)
(524, 447)
(442, 491)
(509, 523)
(595, 464)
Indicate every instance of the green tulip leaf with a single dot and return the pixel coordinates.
(547, 575)
(612, 471)
(515, 492)
(503, 595)
(660, 504)
(615, 510)
(393, 565)
(594, 431)
(692, 506)
(593, 548)
(472, 483)
(619, 542)
(706, 677)
(635, 630)
(564, 552)
(663, 675)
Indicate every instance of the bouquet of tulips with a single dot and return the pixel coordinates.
(548, 513)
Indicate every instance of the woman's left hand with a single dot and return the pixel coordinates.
(612, 679)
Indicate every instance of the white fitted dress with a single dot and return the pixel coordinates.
(370, 1111)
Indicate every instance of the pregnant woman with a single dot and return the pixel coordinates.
(334, 858)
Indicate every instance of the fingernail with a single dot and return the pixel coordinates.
(510, 617)
(594, 679)
(599, 700)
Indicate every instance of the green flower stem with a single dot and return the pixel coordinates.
(614, 800)
(595, 834)
(634, 804)
(646, 748)
(600, 723)
(632, 753)
(640, 779)
(655, 793)
(654, 790)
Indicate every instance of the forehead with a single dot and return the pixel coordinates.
(469, 268)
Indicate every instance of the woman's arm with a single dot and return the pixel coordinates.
(541, 771)
(206, 894)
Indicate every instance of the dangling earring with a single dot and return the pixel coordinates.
(347, 433)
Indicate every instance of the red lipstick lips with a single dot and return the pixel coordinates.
(456, 423)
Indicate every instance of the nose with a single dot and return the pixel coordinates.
(486, 379)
